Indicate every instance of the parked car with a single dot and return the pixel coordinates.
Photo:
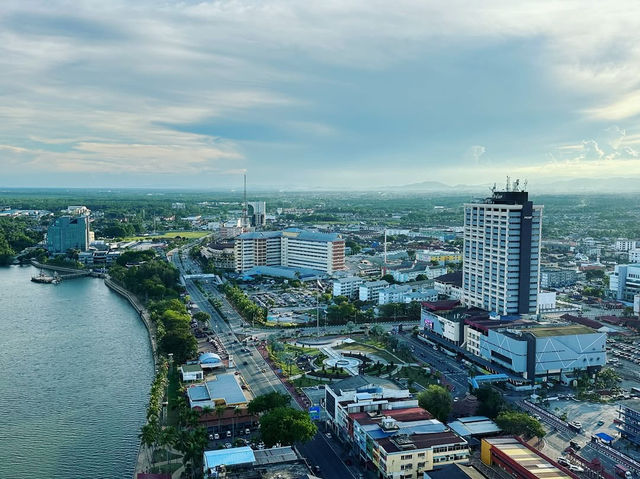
(574, 468)
(563, 461)
(216, 436)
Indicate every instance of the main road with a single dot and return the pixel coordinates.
(255, 370)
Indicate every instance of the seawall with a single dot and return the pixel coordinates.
(142, 311)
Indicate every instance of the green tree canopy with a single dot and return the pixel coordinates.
(436, 400)
(267, 402)
(520, 424)
(285, 425)
(490, 402)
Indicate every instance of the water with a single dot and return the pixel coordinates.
(75, 371)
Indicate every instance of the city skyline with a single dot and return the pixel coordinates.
(334, 94)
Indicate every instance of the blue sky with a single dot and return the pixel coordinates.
(338, 93)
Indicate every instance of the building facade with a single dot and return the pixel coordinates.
(291, 248)
(624, 282)
(68, 232)
(349, 287)
(625, 244)
(501, 266)
(557, 278)
(370, 291)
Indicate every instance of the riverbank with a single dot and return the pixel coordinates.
(67, 272)
(142, 462)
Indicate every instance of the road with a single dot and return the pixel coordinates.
(452, 370)
(256, 372)
(320, 452)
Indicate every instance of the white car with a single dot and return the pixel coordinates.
(574, 468)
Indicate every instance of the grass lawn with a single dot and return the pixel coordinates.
(303, 382)
(173, 389)
(166, 468)
(367, 349)
(417, 375)
(169, 235)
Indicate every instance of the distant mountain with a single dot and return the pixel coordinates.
(588, 185)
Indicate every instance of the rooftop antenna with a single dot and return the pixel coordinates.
(516, 185)
(493, 188)
(244, 204)
(508, 183)
(524, 187)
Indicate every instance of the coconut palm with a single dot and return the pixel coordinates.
(219, 410)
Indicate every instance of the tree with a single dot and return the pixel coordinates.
(285, 425)
(520, 423)
(388, 278)
(202, 317)
(268, 402)
(490, 402)
(436, 400)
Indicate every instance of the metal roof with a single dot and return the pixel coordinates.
(228, 457)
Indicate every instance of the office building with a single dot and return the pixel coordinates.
(291, 248)
(370, 291)
(68, 232)
(624, 282)
(439, 256)
(628, 424)
(449, 285)
(634, 255)
(405, 294)
(257, 212)
(501, 253)
(557, 278)
(349, 287)
(521, 348)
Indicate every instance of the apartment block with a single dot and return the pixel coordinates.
(349, 287)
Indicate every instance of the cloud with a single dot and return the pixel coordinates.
(137, 86)
(476, 152)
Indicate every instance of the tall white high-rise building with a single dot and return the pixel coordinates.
(501, 256)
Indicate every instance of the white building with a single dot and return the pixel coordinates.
(449, 285)
(370, 290)
(393, 294)
(624, 282)
(349, 287)
(625, 244)
(546, 301)
(502, 253)
(418, 269)
(634, 255)
(292, 248)
(405, 294)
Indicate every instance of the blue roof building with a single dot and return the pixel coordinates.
(213, 460)
(224, 390)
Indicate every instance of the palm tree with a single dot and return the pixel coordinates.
(167, 438)
(236, 412)
(219, 412)
(148, 436)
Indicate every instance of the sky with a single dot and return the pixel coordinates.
(312, 94)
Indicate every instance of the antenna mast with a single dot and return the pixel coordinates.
(244, 204)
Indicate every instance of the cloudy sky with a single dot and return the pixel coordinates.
(341, 93)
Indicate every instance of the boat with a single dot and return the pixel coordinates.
(45, 279)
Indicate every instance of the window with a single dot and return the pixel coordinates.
(406, 457)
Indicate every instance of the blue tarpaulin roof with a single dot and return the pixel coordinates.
(604, 436)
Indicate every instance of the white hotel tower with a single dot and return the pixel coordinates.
(501, 257)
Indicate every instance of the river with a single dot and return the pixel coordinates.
(75, 372)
